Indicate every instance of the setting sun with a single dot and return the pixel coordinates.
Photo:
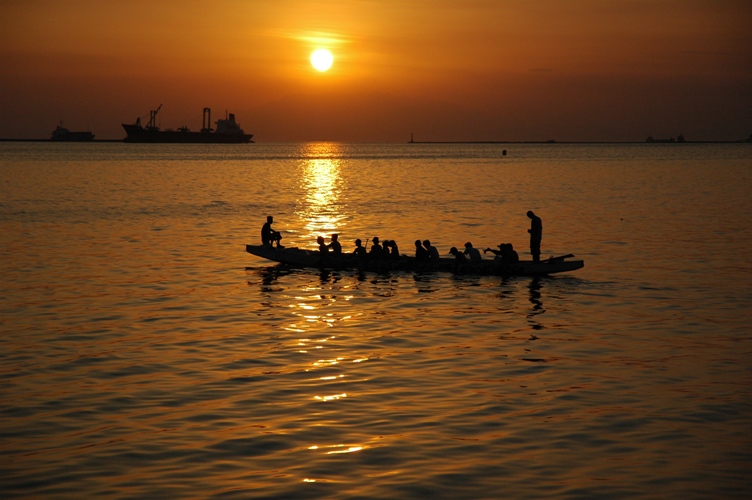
(322, 59)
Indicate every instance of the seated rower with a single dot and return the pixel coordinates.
(323, 248)
(472, 253)
(335, 246)
(393, 250)
(376, 251)
(513, 256)
(360, 250)
(421, 254)
(433, 253)
(323, 251)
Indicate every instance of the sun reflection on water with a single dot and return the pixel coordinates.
(321, 207)
(332, 397)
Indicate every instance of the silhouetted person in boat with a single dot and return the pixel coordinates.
(323, 251)
(421, 254)
(473, 253)
(393, 250)
(536, 235)
(269, 235)
(433, 253)
(460, 262)
(498, 252)
(389, 247)
(360, 251)
(513, 256)
(422, 258)
(505, 254)
(376, 251)
(335, 246)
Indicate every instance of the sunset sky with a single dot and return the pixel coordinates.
(568, 70)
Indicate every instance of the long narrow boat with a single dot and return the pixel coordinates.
(296, 257)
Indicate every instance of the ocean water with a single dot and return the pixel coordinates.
(144, 354)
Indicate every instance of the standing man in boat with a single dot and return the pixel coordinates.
(536, 235)
(269, 235)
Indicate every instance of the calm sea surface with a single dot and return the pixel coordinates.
(144, 354)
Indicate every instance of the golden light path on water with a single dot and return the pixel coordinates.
(312, 318)
(320, 207)
(320, 210)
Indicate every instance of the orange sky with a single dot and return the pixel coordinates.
(445, 70)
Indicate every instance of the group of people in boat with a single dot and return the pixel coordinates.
(426, 255)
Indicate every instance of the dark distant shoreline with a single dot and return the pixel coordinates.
(742, 141)
(59, 142)
(745, 141)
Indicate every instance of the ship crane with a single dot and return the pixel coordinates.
(153, 118)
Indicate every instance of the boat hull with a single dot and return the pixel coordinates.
(296, 257)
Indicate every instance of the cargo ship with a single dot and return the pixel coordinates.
(228, 131)
(63, 134)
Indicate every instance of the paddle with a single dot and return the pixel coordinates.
(561, 257)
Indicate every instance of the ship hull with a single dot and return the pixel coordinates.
(137, 133)
(74, 137)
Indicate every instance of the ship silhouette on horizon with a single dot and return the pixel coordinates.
(63, 134)
(228, 131)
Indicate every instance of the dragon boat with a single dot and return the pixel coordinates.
(301, 258)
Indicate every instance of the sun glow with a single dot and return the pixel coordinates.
(322, 59)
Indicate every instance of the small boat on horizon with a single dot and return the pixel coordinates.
(228, 131)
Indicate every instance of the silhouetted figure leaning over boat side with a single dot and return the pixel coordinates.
(497, 253)
(269, 235)
(460, 262)
(335, 246)
(360, 251)
(536, 235)
(473, 253)
(505, 253)
(505, 256)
